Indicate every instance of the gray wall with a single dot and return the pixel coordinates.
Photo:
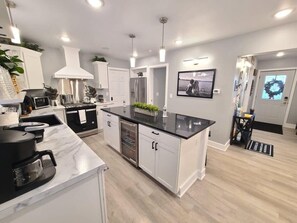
(159, 86)
(283, 63)
(53, 59)
(222, 56)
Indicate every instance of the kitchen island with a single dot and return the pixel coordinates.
(76, 193)
(171, 149)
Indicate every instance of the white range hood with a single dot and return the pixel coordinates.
(72, 70)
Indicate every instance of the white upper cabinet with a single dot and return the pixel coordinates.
(33, 75)
(101, 74)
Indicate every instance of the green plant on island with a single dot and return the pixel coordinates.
(100, 59)
(152, 108)
(11, 63)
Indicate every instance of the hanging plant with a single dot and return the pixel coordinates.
(100, 59)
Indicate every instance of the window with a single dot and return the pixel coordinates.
(273, 87)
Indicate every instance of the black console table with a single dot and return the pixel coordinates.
(242, 128)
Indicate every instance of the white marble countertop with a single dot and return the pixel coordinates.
(75, 161)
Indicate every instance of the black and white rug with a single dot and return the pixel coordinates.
(260, 147)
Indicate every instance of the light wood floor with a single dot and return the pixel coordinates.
(240, 186)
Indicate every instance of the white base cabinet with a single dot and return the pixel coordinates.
(81, 202)
(61, 113)
(174, 162)
(111, 128)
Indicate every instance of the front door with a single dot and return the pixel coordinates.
(272, 96)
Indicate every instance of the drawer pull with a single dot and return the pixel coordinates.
(153, 145)
(156, 148)
(156, 133)
(108, 115)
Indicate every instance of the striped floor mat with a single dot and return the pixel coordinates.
(260, 147)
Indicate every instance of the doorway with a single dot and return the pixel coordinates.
(158, 85)
(272, 95)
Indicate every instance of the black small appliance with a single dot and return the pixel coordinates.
(22, 168)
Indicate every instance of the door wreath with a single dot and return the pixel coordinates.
(270, 85)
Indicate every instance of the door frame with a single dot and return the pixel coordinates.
(163, 65)
(285, 124)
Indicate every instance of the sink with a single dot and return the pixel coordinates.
(52, 120)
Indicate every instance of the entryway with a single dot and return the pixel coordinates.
(273, 94)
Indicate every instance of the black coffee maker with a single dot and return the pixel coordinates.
(22, 168)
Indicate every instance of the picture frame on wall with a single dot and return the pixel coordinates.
(196, 83)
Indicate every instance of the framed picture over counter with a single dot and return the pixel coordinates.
(196, 83)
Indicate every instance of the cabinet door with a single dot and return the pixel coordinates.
(107, 131)
(147, 155)
(167, 165)
(101, 75)
(115, 136)
(99, 118)
(61, 115)
(33, 70)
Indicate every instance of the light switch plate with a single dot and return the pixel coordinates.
(216, 91)
(170, 95)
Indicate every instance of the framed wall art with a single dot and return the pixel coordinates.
(196, 83)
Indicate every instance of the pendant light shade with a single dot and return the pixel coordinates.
(162, 51)
(132, 58)
(162, 54)
(132, 62)
(15, 31)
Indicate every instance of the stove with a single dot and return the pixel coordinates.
(76, 106)
(82, 118)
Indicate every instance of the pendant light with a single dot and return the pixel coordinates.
(132, 58)
(15, 31)
(162, 51)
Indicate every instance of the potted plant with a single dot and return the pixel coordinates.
(146, 109)
(100, 59)
(12, 65)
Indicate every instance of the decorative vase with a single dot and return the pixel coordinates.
(15, 83)
(146, 112)
(7, 90)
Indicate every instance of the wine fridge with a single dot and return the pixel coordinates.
(129, 141)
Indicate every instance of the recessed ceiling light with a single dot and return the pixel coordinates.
(65, 38)
(135, 54)
(95, 3)
(178, 42)
(280, 54)
(283, 13)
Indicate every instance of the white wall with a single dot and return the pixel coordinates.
(277, 63)
(53, 59)
(222, 56)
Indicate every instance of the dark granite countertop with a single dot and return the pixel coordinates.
(176, 124)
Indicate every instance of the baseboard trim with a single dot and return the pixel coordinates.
(190, 181)
(289, 126)
(219, 146)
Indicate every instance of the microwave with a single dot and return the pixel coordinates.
(41, 102)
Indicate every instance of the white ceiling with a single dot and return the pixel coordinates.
(272, 55)
(194, 21)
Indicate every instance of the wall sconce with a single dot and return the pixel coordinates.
(193, 61)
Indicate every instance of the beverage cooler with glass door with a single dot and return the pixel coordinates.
(129, 141)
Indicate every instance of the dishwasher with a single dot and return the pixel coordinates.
(129, 141)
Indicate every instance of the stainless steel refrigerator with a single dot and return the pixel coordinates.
(138, 89)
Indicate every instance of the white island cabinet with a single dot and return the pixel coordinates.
(111, 127)
(174, 162)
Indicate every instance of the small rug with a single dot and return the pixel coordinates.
(268, 127)
(260, 147)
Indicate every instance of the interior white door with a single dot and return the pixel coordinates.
(272, 97)
(119, 85)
